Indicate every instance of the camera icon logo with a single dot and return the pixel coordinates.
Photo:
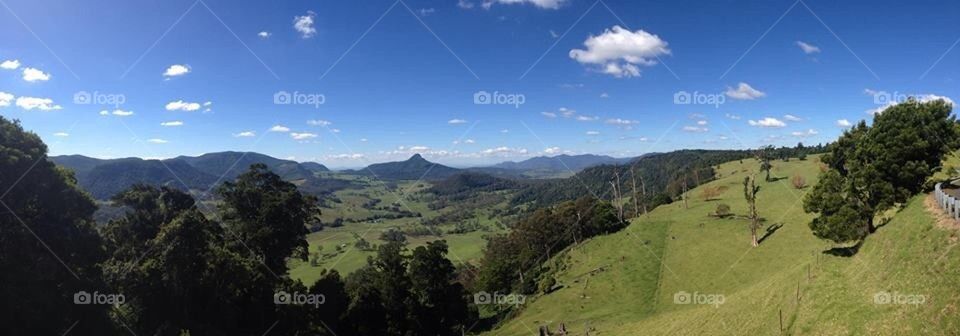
(882, 98)
(282, 98)
(282, 298)
(82, 298)
(682, 98)
(482, 298)
(882, 298)
(682, 297)
(482, 98)
(81, 98)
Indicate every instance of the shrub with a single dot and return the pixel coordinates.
(723, 210)
(798, 181)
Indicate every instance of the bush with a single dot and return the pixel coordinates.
(723, 211)
(798, 181)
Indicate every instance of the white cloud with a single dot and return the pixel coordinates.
(587, 118)
(171, 123)
(318, 122)
(5, 99)
(33, 75)
(456, 121)
(180, 105)
(790, 117)
(264, 34)
(157, 141)
(804, 134)
(844, 123)
(426, 11)
(104, 112)
(931, 97)
(808, 48)
(503, 151)
(363, 140)
(245, 134)
(604, 95)
(304, 25)
(280, 129)
(566, 113)
(622, 123)
(465, 4)
(618, 51)
(593, 133)
(549, 114)
(61, 134)
(302, 136)
(42, 104)
(546, 4)
(356, 156)
(732, 116)
(176, 70)
(744, 92)
(702, 122)
(552, 150)
(768, 122)
(695, 129)
(504, 131)
(121, 113)
(469, 141)
(10, 64)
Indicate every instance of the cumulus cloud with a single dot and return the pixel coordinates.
(503, 151)
(768, 122)
(304, 25)
(695, 129)
(279, 129)
(264, 35)
(34, 75)
(180, 105)
(552, 150)
(844, 123)
(732, 116)
(426, 11)
(456, 121)
(744, 92)
(171, 123)
(465, 4)
(31, 103)
(355, 156)
(545, 4)
(619, 52)
(790, 117)
(302, 136)
(549, 114)
(10, 64)
(5, 99)
(121, 113)
(176, 70)
(157, 141)
(245, 134)
(587, 118)
(808, 48)
(803, 134)
(593, 133)
(61, 134)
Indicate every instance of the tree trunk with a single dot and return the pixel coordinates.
(753, 237)
(870, 227)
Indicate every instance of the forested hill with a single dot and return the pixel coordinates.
(414, 168)
(663, 175)
(105, 178)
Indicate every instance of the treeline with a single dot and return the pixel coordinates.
(513, 262)
(166, 268)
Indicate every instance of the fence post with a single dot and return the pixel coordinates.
(956, 208)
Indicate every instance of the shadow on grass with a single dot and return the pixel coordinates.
(848, 251)
(769, 232)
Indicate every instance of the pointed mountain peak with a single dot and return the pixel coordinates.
(416, 157)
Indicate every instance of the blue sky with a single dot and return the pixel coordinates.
(391, 78)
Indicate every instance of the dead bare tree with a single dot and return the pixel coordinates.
(636, 201)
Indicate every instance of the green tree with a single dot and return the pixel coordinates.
(267, 215)
(442, 308)
(49, 249)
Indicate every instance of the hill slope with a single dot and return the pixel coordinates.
(414, 168)
(625, 283)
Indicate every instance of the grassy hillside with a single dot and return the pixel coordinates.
(625, 283)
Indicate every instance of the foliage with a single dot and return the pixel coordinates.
(798, 181)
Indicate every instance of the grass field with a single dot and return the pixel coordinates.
(408, 195)
(626, 283)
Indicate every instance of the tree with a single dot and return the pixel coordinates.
(750, 190)
(49, 248)
(873, 168)
(723, 210)
(268, 216)
(764, 156)
(798, 181)
(442, 307)
(709, 192)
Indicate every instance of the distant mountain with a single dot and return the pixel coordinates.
(560, 165)
(105, 178)
(414, 168)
